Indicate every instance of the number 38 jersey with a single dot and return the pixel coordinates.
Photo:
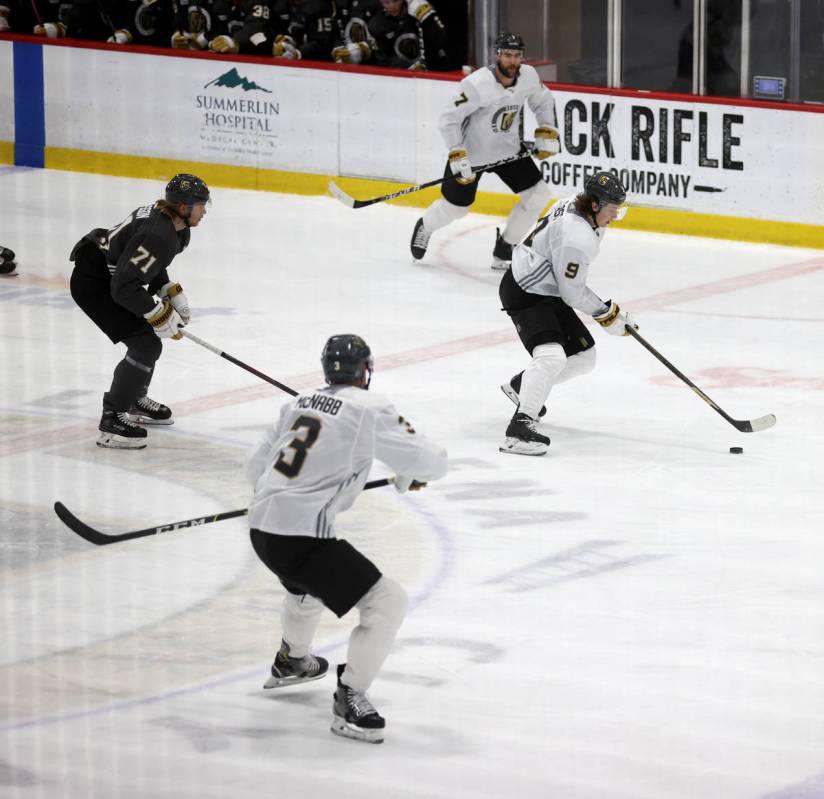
(554, 259)
(314, 461)
(137, 252)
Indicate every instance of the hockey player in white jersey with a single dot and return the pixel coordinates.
(482, 124)
(542, 290)
(312, 464)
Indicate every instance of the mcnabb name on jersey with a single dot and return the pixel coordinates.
(320, 402)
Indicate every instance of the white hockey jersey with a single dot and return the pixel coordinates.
(554, 259)
(484, 117)
(313, 462)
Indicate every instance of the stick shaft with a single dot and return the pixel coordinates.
(428, 184)
(102, 539)
(744, 425)
(237, 362)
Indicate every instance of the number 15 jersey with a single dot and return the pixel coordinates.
(314, 461)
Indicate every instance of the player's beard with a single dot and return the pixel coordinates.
(510, 73)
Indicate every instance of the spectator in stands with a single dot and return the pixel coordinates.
(251, 28)
(408, 35)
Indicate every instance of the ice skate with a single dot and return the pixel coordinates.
(502, 254)
(512, 389)
(523, 438)
(420, 240)
(291, 671)
(8, 266)
(117, 431)
(147, 411)
(354, 716)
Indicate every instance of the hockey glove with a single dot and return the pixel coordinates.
(165, 320)
(284, 47)
(404, 484)
(354, 53)
(51, 30)
(120, 36)
(461, 168)
(420, 9)
(223, 44)
(613, 320)
(174, 293)
(547, 142)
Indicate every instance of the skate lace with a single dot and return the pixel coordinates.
(360, 704)
(148, 404)
(421, 237)
(123, 418)
(308, 665)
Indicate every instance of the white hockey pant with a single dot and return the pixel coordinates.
(529, 206)
(299, 617)
(441, 213)
(382, 609)
(549, 367)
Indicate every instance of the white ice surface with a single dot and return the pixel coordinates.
(637, 614)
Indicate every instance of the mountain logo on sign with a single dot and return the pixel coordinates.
(233, 80)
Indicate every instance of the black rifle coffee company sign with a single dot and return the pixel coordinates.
(663, 152)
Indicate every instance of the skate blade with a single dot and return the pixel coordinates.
(345, 730)
(113, 441)
(515, 446)
(510, 393)
(139, 418)
(283, 682)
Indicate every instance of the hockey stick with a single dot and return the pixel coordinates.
(101, 539)
(338, 193)
(745, 425)
(236, 362)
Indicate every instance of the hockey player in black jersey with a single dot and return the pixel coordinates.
(121, 283)
(408, 35)
(248, 26)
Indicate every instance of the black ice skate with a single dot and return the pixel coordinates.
(502, 254)
(291, 671)
(147, 411)
(118, 432)
(8, 266)
(513, 389)
(523, 438)
(354, 716)
(420, 240)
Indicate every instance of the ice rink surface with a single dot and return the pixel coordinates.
(637, 614)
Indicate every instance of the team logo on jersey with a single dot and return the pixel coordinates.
(504, 117)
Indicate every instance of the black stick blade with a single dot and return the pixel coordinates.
(75, 525)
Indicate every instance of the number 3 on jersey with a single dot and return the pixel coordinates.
(300, 444)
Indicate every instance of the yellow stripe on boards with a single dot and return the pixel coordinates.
(6, 152)
(657, 220)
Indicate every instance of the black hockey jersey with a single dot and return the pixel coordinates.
(137, 252)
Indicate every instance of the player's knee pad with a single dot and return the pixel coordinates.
(384, 605)
(550, 359)
(302, 605)
(144, 350)
(535, 198)
(441, 213)
(582, 363)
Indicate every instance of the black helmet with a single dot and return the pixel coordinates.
(188, 189)
(509, 41)
(606, 188)
(346, 359)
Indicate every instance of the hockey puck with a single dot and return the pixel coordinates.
(736, 450)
